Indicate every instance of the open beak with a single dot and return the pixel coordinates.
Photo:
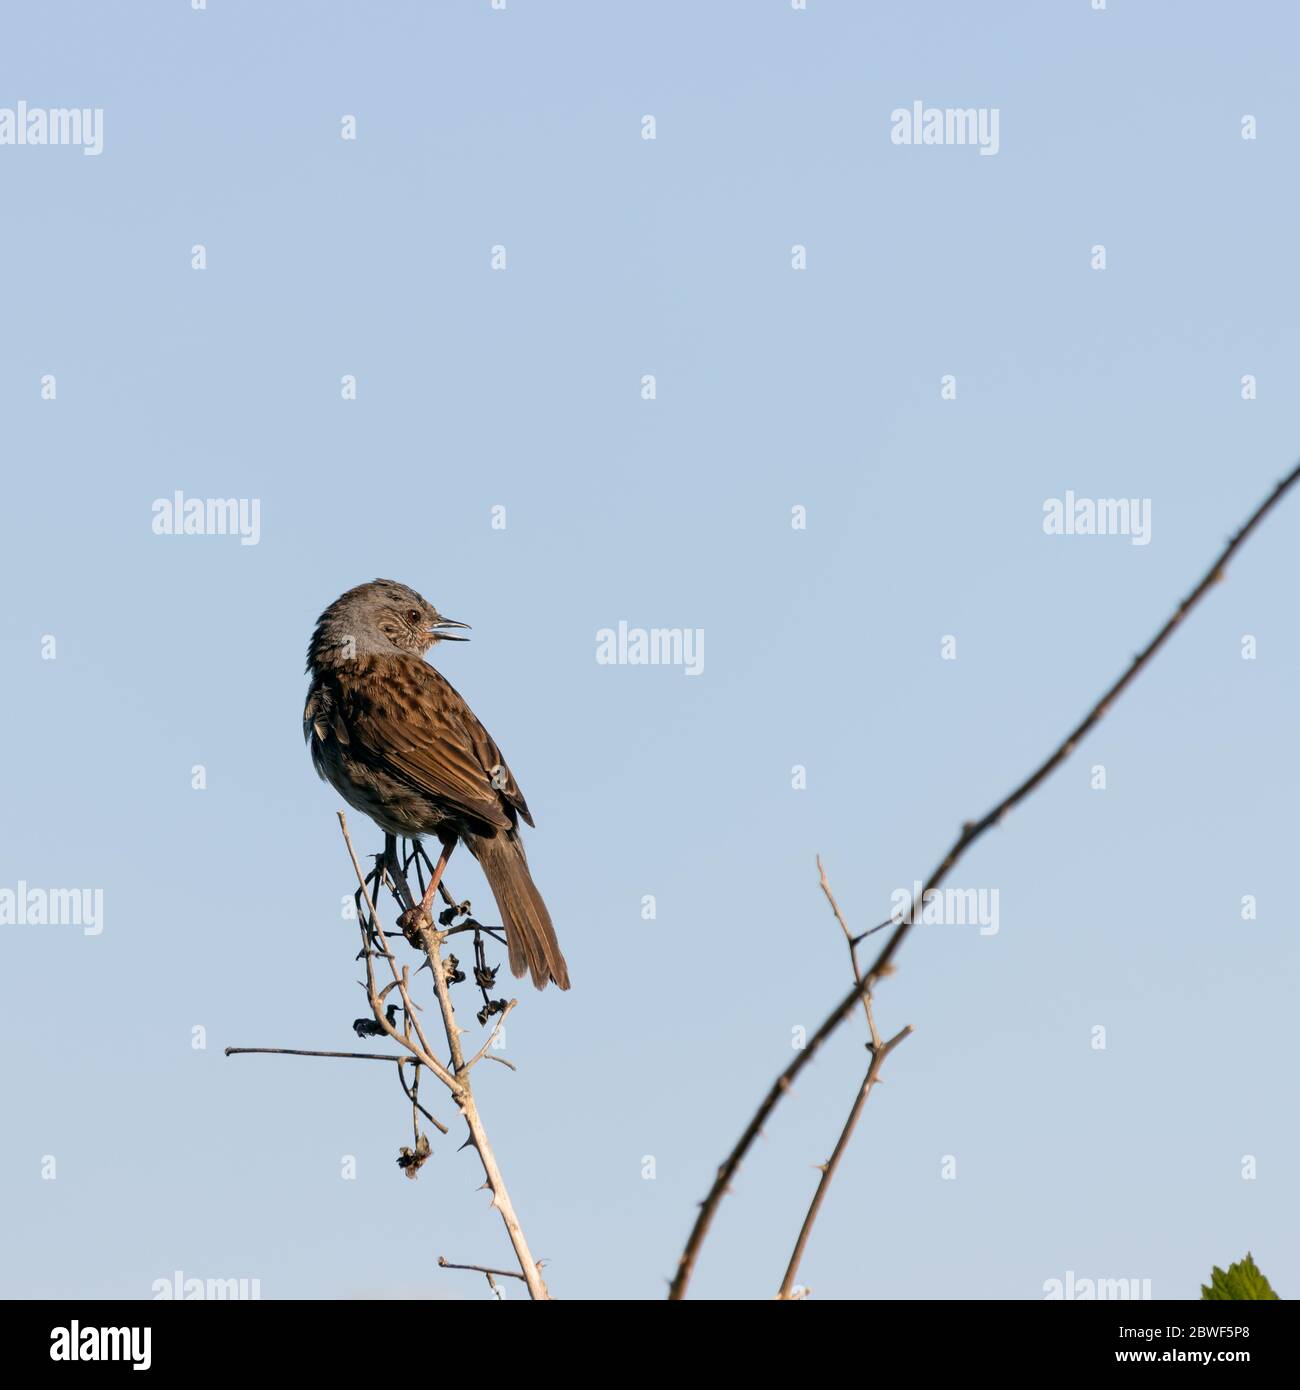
(438, 633)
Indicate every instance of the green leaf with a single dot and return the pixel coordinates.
(1243, 1280)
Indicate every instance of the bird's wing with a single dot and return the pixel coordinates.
(321, 716)
(423, 732)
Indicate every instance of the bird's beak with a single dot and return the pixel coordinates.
(437, 633)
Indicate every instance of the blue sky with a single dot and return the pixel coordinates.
(775, 389)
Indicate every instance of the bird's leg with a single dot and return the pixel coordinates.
(420, 858)
(401, 889)
(414, 919)
(416, 856)
(458, 909)
(427, 901)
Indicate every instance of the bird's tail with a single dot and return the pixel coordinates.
(529, 933)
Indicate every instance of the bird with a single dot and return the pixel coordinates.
(390, 734)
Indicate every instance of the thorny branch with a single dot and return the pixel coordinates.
(970, 832)
(878, 1051)
(454, 1074)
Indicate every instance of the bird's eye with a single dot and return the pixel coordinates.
(414, 616)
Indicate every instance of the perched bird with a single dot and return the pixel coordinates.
(393, 738)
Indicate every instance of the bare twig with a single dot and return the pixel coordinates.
(878, 1055)
(853, 948)
(878, 1052)
(495, 933)
(445, 1263)
(457, 1079)
(492, 1037)
(401, 978)
(413, 1095)
(751, 1132)
(306, 1052)
(352, 1056)
(464, 1097)
(970, 832)
(456, 1076)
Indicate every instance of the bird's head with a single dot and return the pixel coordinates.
(378, 619)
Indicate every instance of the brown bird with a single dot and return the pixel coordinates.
(393, 738)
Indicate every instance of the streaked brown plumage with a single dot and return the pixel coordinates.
(397, 742)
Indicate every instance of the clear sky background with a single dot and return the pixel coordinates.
(775, 389)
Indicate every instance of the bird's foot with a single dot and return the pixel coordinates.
(414, 922)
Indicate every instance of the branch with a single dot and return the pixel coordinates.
(464, 1096)
(355, 1057)
(456, 1080)
(492, 1037)
(413, 1095)
(828, 1168)
(878, 1051)
(456, 1077)
(445, 1263)
(970, 832)
(853, 948)
(423, 1052)
(304, 1052)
